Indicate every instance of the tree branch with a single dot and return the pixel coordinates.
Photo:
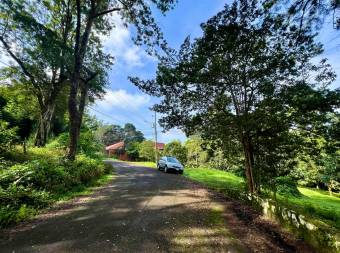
(21, 64)
(106, 12)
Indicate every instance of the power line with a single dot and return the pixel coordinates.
(122, 123)
(106, 115)
(5, 64)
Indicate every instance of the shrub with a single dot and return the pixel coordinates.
(87, 144)
(7, 136)
(287, 186)
(35, 184)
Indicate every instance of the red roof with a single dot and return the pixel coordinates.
(115, 146)
(160, 146)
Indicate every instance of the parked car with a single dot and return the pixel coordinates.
(168, 163)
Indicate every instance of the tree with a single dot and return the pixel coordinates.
(309, 12)
(176, 150)
(147, 150)
(234, 85)
(116, 133)
(132, 149)
(196, 156)
(112, 134)
(39, 58)
(132, 134)
(91, 19)
(16, 114)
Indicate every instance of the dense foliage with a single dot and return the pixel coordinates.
(39, 178)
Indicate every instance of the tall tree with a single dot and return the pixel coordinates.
(93, 15)
(231, 84)
(32, 35)
(132, 134)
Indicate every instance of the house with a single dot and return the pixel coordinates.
(118, 150)
(160, 146)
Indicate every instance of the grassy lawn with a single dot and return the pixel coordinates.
(313, 203)
(216, 179)
(144, 164)
(139, 163)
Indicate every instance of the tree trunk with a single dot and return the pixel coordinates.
(44, 125)
(24, 146)
(249, 162)
(76, 110)
(330, 186)
(76, 115)
(74, 119)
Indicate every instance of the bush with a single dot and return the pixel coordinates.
(7, 136)
(87, 145)
(177, 150)
(147, 150)
(287, 186)
(35, 184)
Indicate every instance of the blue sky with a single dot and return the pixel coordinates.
(125, 103)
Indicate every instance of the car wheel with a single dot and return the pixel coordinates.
(165, 169)
(158, 167)
(180, 172)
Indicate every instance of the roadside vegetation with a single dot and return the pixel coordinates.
(54, 67)
(37, 179)
(315, 204)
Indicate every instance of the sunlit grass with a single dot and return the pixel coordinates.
(215, 179)
(144, 164)
(313, 203)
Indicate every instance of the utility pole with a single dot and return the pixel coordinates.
(155, 128)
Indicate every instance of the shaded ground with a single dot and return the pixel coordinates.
(144, 210)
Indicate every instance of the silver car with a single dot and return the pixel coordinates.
(168, 163)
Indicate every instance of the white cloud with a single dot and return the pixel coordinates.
(118, 43)
(123, 100)
(172, 134)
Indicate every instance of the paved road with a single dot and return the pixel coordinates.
(142, 210)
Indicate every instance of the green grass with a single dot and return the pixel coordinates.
(219, 180)
(313, 203)
(145, 164)
(316, 204)
(139, 163)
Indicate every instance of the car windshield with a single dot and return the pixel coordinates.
(172, 160)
